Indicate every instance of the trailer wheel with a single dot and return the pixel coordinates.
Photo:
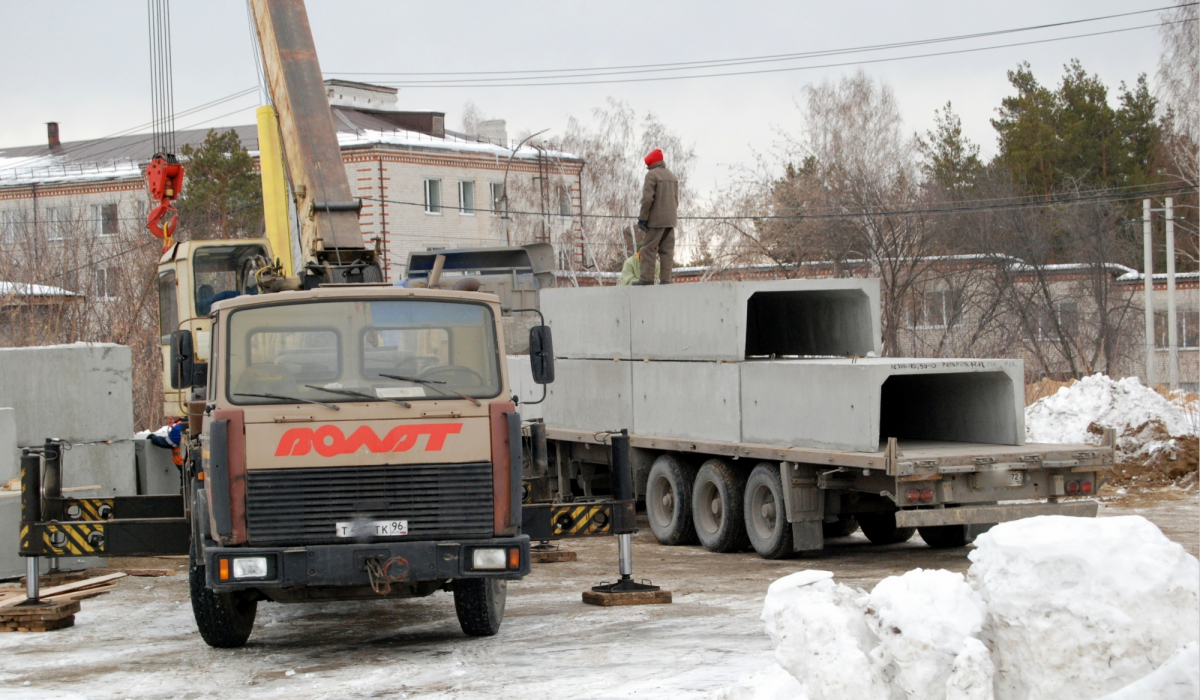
(881, 528)
(766, 522)
(479, 603)
(717, 502)
(844, 526)
(225, 620)
(946, 536)
(669, 500)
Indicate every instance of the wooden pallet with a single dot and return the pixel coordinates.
(39, 617)
(552, 556)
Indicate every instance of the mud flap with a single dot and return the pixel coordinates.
(804, 504)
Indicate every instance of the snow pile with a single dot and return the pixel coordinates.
(928, 623)
(1124, 405)
(1079, 607)
(1156, 436)
(1052, 607)
(1178, 679)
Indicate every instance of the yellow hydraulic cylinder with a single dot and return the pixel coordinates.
(274, 186)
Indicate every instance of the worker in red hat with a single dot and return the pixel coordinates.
(656, 220)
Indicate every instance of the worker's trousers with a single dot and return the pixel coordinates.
(658, 244)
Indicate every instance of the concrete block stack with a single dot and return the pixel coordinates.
(81, 393)
(792, 363)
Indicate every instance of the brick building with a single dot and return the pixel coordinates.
(423, 186)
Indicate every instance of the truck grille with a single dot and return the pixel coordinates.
(300, 506)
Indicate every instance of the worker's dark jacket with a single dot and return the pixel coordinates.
(660, 197)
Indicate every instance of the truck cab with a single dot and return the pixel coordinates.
(357, 441)
(192, 276)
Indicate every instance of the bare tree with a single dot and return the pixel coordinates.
(1178, 88)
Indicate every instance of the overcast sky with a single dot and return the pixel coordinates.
(85, 64)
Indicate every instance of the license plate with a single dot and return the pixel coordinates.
(372, 528)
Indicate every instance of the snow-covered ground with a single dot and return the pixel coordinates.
(1051, 608)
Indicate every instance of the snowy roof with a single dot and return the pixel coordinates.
(124, 157)
(21, 289)
(1135, 276)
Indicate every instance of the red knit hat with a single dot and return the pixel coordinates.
(653, 157)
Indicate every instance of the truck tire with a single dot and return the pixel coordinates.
(881, 528)
(844, 526)
(225, 620)
(718, 498)
(479, 603)
(946, 536)
(669, 500)
(766, 522)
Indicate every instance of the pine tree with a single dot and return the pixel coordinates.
(222, 193)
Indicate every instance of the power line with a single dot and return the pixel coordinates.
(651, 67)
(1032, 203)
(550, 83)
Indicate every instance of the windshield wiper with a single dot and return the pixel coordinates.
(297, 399)
(351, 392)
(431, 383)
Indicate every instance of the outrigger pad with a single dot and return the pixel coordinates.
(626, 592)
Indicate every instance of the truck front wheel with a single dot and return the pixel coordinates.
(717, 501)
(669, 500)
(881, 528)
(479, 603)
(766, 522)
(225, 620)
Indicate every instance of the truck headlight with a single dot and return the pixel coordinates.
(250, 567)
(489, 559)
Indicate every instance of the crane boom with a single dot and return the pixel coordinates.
(328, 211)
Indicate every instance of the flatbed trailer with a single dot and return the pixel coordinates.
(950, 491)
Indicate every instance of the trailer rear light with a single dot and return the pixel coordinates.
(489, 559)
(223, 569)
(250, 567)
(913, 495)
(1085, 487)
(514, 558)
(927, 495)
(1073, 488)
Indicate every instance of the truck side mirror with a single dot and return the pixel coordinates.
(541, 354)
(183, 360)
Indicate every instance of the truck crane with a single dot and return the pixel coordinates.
(343, 438)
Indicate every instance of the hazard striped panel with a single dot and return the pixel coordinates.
(581, 520)
(78, 539)
(88, 508)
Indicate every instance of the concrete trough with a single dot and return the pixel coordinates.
(726, 321)
(856, 405)
(696, 400)
(593, 395)
(588, 322)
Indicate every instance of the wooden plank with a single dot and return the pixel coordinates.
(65, 588)
(628, 598)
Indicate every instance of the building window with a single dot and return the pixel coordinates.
(104, 218)
(8, 226)
(56, 223)
(564, 201)
(498, 206)
(433, 196)
(1067, 315)
(101, 284)
(466, 198)
(1187, 329)
(938, 309)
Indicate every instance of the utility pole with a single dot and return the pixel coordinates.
(1148, 286)
(1172, 337)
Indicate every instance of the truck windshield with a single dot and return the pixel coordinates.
(300, 349)
(223, 272)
